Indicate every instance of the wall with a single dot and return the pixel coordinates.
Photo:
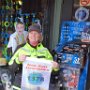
(54, 33)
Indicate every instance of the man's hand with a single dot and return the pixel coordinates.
(22, 57)
(55, 65)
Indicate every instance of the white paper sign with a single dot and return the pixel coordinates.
(36, 74)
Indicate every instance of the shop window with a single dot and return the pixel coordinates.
(32, 11)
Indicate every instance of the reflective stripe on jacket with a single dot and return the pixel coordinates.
(40, 52)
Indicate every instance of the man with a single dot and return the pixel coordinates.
(33, 48)
(17, 38)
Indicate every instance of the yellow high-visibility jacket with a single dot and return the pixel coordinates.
(39, 52)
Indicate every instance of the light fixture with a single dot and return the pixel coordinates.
(20, 2)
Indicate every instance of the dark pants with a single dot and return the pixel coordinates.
(17, 80)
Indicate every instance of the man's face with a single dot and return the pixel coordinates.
(20, 28)
(34, 38)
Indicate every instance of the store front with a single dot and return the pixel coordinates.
(64, 24)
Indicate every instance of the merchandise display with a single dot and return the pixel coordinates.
(72, 54)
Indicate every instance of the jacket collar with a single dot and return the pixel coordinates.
(29, 46)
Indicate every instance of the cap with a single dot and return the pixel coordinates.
(34, 27)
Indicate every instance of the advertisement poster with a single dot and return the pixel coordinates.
(36, 74)
(72, 31)
(70, 77)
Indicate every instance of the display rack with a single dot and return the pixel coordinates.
(72, 54)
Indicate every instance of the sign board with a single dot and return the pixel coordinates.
(82, 14)
(71, 31)
(36, 74)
